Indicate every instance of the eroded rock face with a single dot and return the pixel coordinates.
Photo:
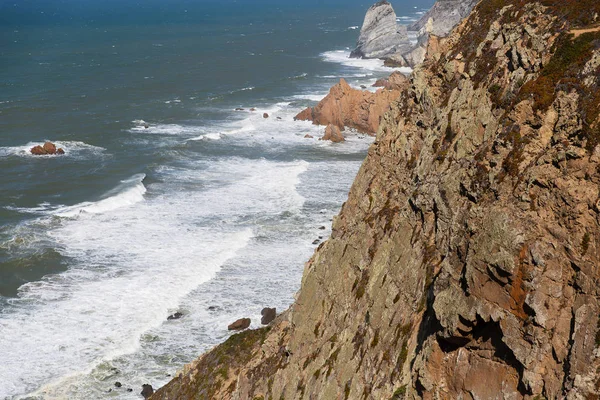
(352, 108)
(380, 35)
(465, 262)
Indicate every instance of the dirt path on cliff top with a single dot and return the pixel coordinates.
(579, 32)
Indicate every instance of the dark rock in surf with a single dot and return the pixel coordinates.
(147, 391)
(240, 324)
(177, 315)
(265, 115)
(118, 384)
(268, 315)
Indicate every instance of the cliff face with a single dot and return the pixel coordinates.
(465, 262)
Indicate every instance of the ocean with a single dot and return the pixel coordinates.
(168, 199)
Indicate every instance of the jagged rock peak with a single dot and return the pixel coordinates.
(380, 34)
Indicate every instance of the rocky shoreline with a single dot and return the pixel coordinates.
(465, 262)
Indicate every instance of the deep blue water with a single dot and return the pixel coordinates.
(207, 207)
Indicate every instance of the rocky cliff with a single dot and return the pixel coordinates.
(381, 37)
(465, 262)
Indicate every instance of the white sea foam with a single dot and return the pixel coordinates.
(311, 97)
(343, 57)
(165, 129)
(353, 27)
(134, 264)
(127, 193)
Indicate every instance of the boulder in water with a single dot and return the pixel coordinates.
(147, 390)
(240, 324)
(177, 315)
(268, 315)
(333, 133)
(265, 115)
(48, 148)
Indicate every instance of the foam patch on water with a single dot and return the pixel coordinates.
(165, 129)
(343, 57)
(129, 192)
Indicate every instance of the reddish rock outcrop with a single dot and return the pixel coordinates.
(48, 148)
(240, 324)
(333, 133)
(352, 108)
(396, 81)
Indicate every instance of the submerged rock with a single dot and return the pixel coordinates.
(240, 324)
(268, 315)
(118, 384)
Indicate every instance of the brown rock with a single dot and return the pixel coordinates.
(395, 81)
(353, 108)
(268, 315)
(50, 148)
(239, 109)
(307, 136)
(38, 151)
(304, 115)
(333, 133)
(265, 115)
(253, 109)
(240, 324)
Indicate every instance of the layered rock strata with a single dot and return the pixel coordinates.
(465, 263)
(380, 34)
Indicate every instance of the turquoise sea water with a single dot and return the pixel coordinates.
(208, 211)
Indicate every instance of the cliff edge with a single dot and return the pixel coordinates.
(465, 262)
